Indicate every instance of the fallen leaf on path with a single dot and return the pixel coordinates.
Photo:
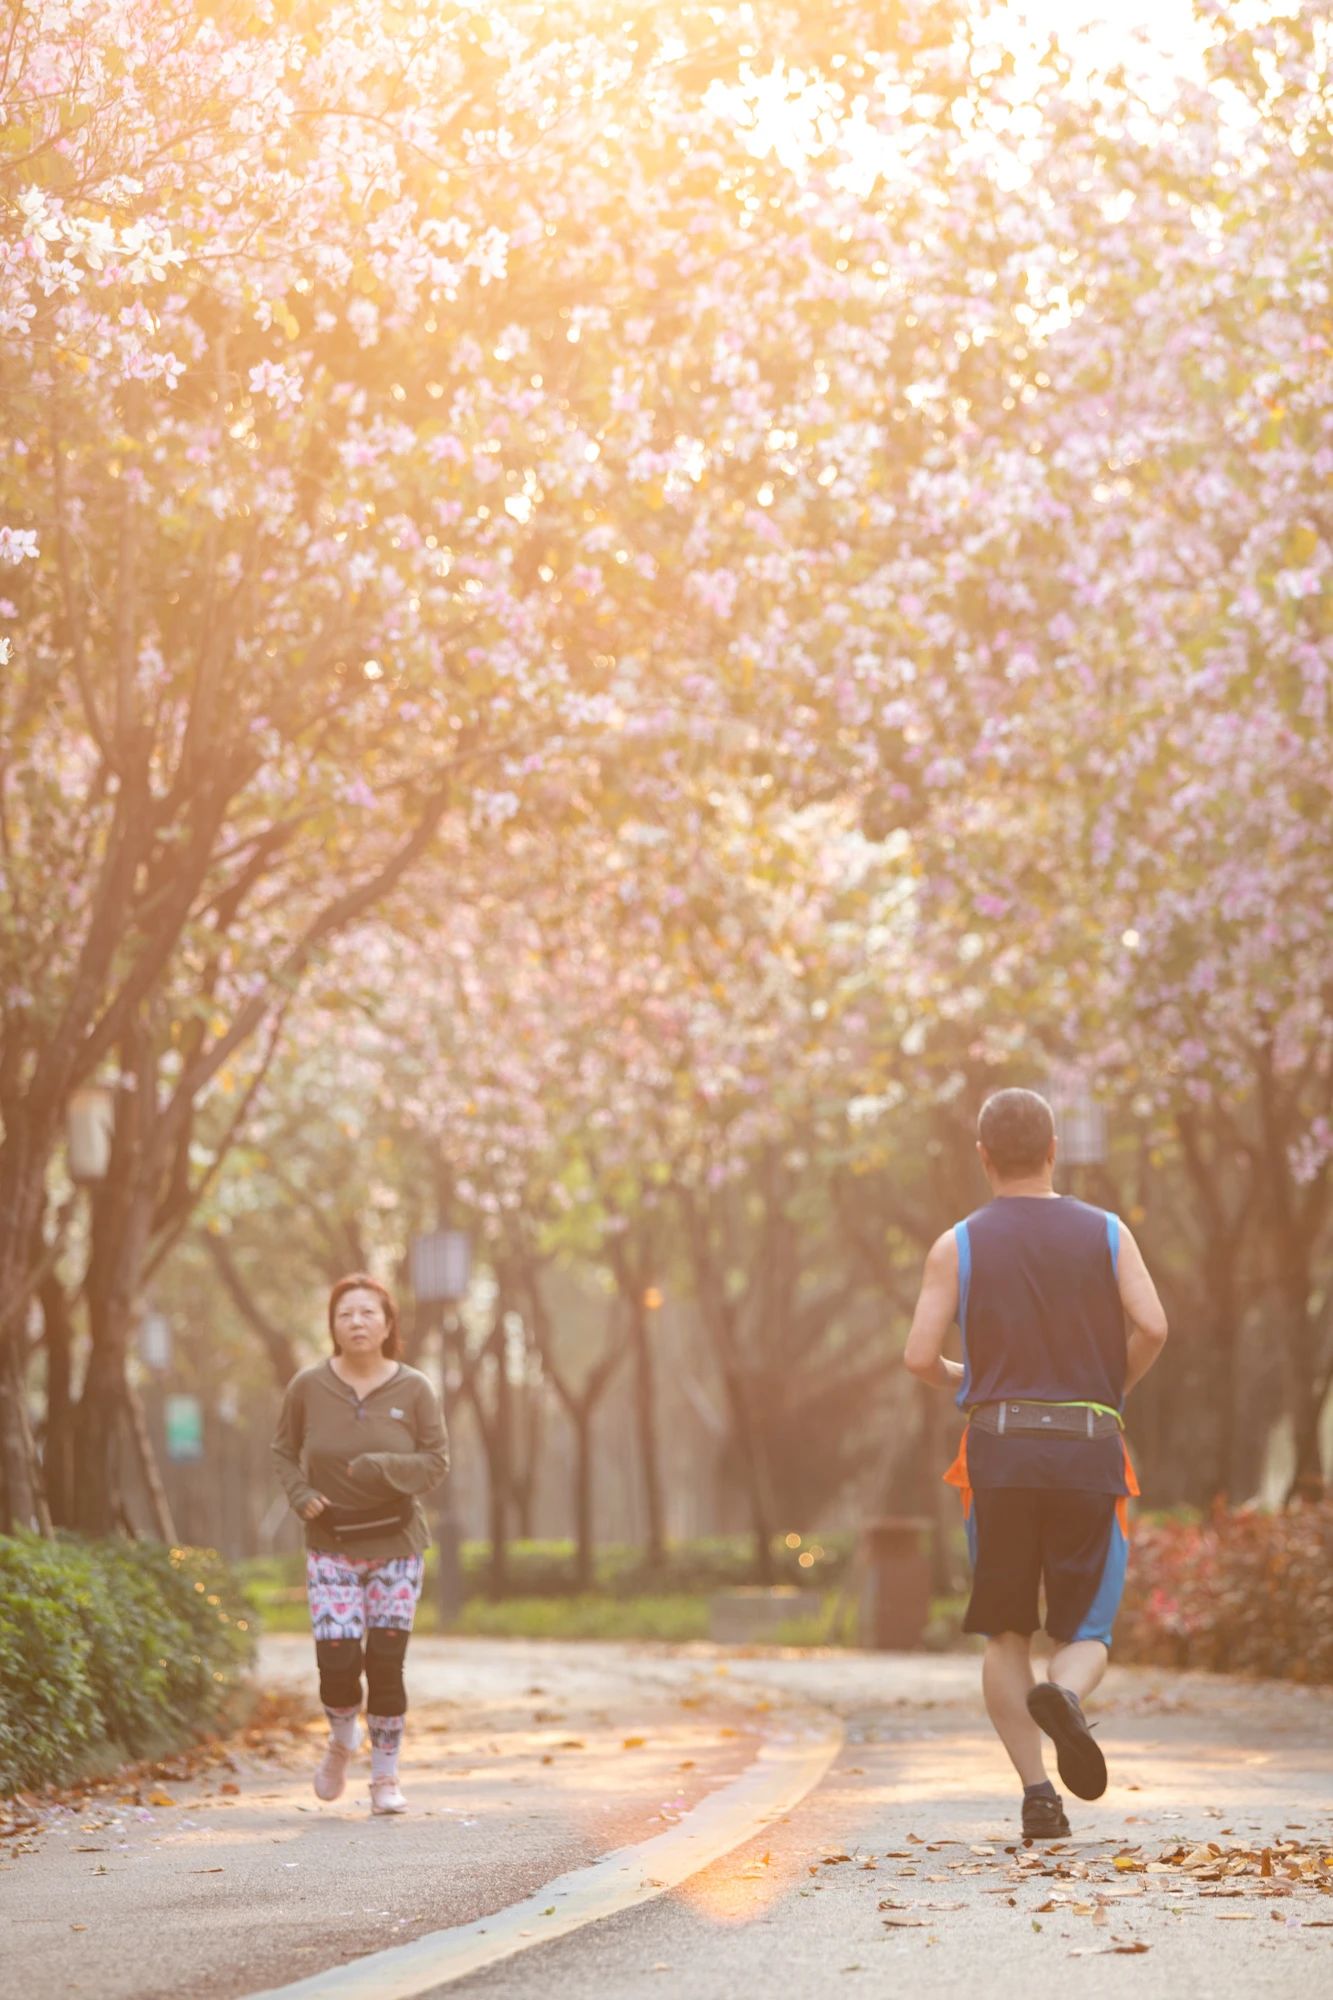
(160, 1799)
(206, 1871)
(229, 1788)
(634, 1742)
(1110, 1950)
(1235, 1916)
(988, 1851)
(904, 1923)
(832, 1860)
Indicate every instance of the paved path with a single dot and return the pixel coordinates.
(860, 1816)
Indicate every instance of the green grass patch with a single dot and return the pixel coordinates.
(674, 1618)
(276, 1589)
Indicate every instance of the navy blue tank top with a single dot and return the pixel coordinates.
(1041, 1318)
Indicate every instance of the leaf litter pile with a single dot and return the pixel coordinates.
(279, 1726)
(1288, 1879)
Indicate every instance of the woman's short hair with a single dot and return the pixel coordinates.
(1016, 1127)
(358, 1281)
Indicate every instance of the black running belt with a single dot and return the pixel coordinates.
(353, 1524)
(1084, 1420)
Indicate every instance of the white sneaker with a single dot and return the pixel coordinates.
(331, 1777)
(385, 1796)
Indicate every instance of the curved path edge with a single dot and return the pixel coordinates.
(789, 1764)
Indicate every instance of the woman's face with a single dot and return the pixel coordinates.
(359, 1322)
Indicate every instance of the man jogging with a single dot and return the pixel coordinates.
(1059, 1319)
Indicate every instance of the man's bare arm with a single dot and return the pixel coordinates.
(936, 1311)
(1146, 1327)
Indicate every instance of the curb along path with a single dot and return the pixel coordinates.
(789, 1764)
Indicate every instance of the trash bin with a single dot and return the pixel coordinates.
(895, 1601)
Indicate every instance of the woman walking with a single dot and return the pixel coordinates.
(360, 1438)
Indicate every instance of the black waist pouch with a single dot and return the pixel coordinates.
(354, 1524)
(1044, 1419)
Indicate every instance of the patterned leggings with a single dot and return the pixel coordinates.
(361, 1608)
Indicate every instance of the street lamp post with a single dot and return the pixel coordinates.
(440, 1270)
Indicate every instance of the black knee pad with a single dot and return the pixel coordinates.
(339, 1662)
(385, 1651)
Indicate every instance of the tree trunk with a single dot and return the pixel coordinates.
(148, 1466)
(1307, 1404)
(584, 1554)
(58, 1443)
(24, 1504)
(276, 1344)
(22, 1191)
(97, 1500)
(122, 1225)
(501, 1458)
(1225, 1340)
(497, 1525)
(752, 1472)
(527, 1460)
(645, 1426)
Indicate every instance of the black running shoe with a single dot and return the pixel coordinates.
(1078, 1757)
(1044, 1817)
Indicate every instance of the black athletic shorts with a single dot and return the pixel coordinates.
(1022, 1537)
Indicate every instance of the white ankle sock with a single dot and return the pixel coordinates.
(386, 1737)
(343, 1726)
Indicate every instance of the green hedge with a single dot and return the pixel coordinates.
(111, 1650)
(1241, 1593)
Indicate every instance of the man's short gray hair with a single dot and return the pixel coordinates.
(1016, 1128)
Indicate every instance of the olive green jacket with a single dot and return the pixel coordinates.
(356, 1452)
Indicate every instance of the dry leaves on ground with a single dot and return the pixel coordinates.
(278, 1727)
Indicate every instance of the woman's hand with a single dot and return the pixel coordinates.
(313, 1507)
